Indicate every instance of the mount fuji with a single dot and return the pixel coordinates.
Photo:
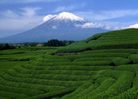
(65, 26)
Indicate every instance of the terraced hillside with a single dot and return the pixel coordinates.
(127, 38)
(11, 58)
(108, 70)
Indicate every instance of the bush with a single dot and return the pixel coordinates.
(94, 59)
(134, 58)
(95, 37)
(93, 63)
(123, 83)
(120, 61)
(53, 94)
(133, 51)
(75, 47)
(25, 91)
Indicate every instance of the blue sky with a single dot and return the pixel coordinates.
(20, 15)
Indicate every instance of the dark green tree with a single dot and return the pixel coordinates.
(54, 42)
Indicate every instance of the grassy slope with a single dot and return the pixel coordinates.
(109, 71)
(110, 40)
(15, 57)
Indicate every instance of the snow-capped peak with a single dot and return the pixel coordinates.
(48, 17)
(68, 16)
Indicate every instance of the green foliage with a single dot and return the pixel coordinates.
(6, 46)
(121, 85)
(54, 42)
(132, 51)
(26, 91)
(96, 59)
(120, 61)
(95, 37)
(54, 94)
(76, 76)
(134, 58)
(81, 73)
(75, 47)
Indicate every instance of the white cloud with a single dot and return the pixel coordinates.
(107, 27)
(133, 26)
(92, 25)
(99, 25)
(48, 17)
(106, 17)
(25, 12)
(25, 19)
(19, 24)
(130, 26)
(30, 12)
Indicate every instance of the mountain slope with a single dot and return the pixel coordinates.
(64, 26)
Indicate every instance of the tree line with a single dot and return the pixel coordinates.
(56, 43)
(52, 42)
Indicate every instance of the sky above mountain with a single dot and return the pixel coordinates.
(20, 15)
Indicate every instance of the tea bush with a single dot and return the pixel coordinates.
(121, 61)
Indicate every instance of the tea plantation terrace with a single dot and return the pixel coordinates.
(105, 68)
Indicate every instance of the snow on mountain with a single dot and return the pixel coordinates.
(68, 16)
(48, 17)
(70, 20)
(64, 19)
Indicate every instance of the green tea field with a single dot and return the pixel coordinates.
(104, 66)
